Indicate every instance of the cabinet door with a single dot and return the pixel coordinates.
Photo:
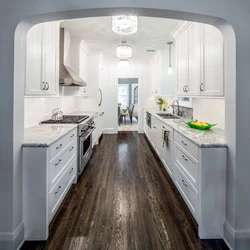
(34, 81)
(51, 57)
(156, 138)
(182, 62)
(213, 68)
(194, 59)
(156, 73)
(167, 155)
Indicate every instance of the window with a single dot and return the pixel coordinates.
(123, 97)
(136, 95)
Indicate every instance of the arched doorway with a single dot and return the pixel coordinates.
(15, 102)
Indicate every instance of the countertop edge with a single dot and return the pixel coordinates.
(181, 132)
(45, 145)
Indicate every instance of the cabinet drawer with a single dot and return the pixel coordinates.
(59, 163)
(60, 144)
(59, 191)
(189, 146)
(188, 192)
(163, 126)
(188, 164)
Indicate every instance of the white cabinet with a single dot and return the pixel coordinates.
(157, 138)
(100, 124)
(194, 59)
(182, 62)
(199, 59)
(42, 59)
(213, 69)
(167, 151)
(162, 83)
(96, 131)
(198, 173)
(48, 173)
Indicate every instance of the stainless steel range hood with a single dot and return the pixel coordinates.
(67, 76)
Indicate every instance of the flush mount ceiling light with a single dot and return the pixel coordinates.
(124, 51)
(125, 25)
(123, 64)
(170, 69)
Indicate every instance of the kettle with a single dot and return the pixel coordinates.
(57, 115)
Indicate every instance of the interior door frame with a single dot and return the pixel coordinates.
(140, 108)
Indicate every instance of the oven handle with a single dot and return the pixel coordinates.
(85, 137)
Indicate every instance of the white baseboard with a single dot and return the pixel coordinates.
(236, 239)
(110, 131)
(12, 240)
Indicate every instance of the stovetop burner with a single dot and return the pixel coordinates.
(68, 119)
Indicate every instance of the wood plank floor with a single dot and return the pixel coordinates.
(124, 200)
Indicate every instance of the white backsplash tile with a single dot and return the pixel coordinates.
(38, 109)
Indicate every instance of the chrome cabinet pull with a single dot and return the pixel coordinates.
(154, 127)
(44, 85)
(184, 143)
(72, 136)
(184, 183)
(71, 170)
(183, 88)
(58, 190)
(184, 158)
(71, 149)
(58, 162)
(186, 88)
(201, 87)
(58, 146)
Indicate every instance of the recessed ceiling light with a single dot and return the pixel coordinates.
(124, 25)
(150, 50)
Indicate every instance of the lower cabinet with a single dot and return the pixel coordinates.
(198, 173)
(48, 173)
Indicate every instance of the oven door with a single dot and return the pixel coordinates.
(85, 151)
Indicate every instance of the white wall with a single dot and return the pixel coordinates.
(210, 110)
(109, 82)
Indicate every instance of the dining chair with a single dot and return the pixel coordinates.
(130, 112)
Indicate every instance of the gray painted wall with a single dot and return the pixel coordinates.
(219, 13)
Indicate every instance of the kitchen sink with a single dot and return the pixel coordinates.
(168, 116)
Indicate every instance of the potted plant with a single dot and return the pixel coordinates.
(162, 103)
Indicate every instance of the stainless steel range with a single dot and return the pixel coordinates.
(84, 131)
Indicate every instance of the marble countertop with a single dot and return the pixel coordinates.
(210, 138)
(45, 134)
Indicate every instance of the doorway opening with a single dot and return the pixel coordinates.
(128, 99)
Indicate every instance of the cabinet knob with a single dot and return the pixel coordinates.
(47, 84)
(72, 135)
(184, 143)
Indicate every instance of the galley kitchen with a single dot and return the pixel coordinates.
(124, 131)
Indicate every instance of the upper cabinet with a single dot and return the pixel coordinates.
(162, 83)
(42, 59)
(199, 59)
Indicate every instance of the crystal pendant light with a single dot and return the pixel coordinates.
(124, 51)
(170, 69)
(125, 25)
(123, 64)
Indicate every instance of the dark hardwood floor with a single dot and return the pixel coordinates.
(124, 200)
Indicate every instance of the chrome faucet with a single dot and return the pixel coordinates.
(178, 107)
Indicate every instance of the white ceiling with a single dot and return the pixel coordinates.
(153, 33)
